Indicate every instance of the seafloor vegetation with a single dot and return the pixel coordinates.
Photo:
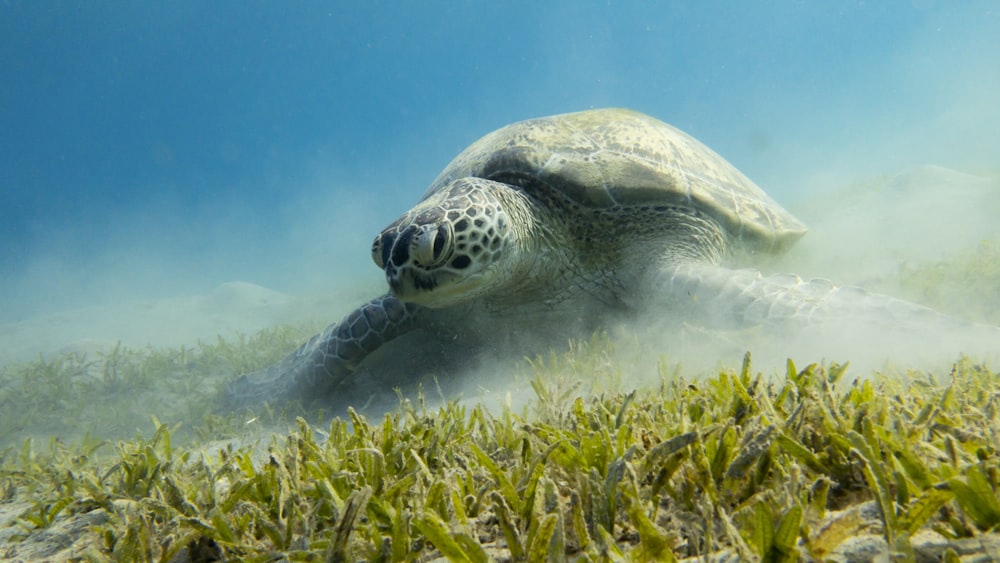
(817, 464)
(812, 466)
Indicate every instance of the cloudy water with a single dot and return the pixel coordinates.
(170, 171)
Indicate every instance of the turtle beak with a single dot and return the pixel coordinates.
(381, 249)
(391, 250)
(402, 256)
(421, 247)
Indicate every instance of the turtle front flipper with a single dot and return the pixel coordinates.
(790, 305)
(324, 363)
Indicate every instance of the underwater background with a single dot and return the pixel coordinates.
(189, 190)
(153, 149)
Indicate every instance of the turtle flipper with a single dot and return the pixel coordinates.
(318, 367)
(743, 298)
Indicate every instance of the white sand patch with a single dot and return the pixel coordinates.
(865, 234)
(231, 308)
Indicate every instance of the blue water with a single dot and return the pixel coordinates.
(152, 148)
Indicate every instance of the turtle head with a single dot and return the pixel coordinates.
(453, 246)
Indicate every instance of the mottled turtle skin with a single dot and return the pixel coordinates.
(589, 201)
(591, 214)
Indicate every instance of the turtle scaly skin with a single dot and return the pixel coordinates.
(598, 214)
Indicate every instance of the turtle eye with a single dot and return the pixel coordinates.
(441, 241)
(433, 245)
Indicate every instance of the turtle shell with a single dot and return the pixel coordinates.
(608, 158)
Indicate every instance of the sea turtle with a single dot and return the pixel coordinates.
(573, 216)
